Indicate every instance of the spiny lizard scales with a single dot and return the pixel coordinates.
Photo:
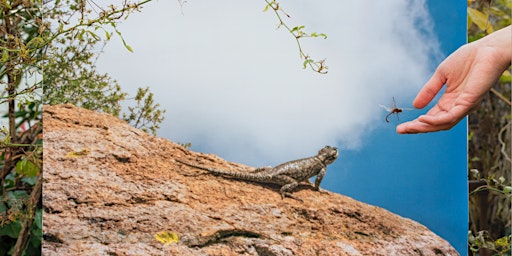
(288, 175)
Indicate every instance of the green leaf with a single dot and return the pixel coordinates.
(480, 19)
(468, 25)
(298, 28)
(5, 56)
(38, 218)
(96, 37)
(27, 168)
(80, 35)
(470, 135)
(10, 180)
(12, 229)
(30, 180)
(505, 77)
(306, 62)
(502, 242)
(17, 195)
(61, 27)
(129, 48)
(36, 232)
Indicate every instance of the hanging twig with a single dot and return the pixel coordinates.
(297, 33)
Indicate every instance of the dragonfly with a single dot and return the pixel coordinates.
(393, 110)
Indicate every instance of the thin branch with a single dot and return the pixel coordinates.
(106, 18)
(501, 96)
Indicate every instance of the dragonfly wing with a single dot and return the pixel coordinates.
(388, 109)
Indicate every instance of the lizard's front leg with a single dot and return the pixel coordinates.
(319, 178)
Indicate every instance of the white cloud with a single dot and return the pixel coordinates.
(233, 85)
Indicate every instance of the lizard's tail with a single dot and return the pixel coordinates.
(257, 177)
(240, 175)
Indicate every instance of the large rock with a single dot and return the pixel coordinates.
(109, 188)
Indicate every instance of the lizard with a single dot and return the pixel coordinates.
(288, 175)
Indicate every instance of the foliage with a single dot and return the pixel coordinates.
(485, 16)
(145, 115)
(16, 208)
(500, 246)
(71, 75)
(20, 204)
(489, 143)
(22, 46)
(498, 186)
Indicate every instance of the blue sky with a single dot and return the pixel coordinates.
(233, 85)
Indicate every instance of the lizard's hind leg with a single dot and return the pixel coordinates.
(290, 195)
(289, 185)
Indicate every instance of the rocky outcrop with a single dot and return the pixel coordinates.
(110, 189)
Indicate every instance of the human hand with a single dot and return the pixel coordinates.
(468, 73)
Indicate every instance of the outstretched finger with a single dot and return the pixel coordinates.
(414, 126)
(417, 126)
(430, 89)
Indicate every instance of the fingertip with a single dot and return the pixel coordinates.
(420, 102)
(414, 127)
(401, 129)
(424, 97)
(405, 128)
(429, 90)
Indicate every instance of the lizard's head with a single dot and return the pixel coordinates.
(329, 154)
